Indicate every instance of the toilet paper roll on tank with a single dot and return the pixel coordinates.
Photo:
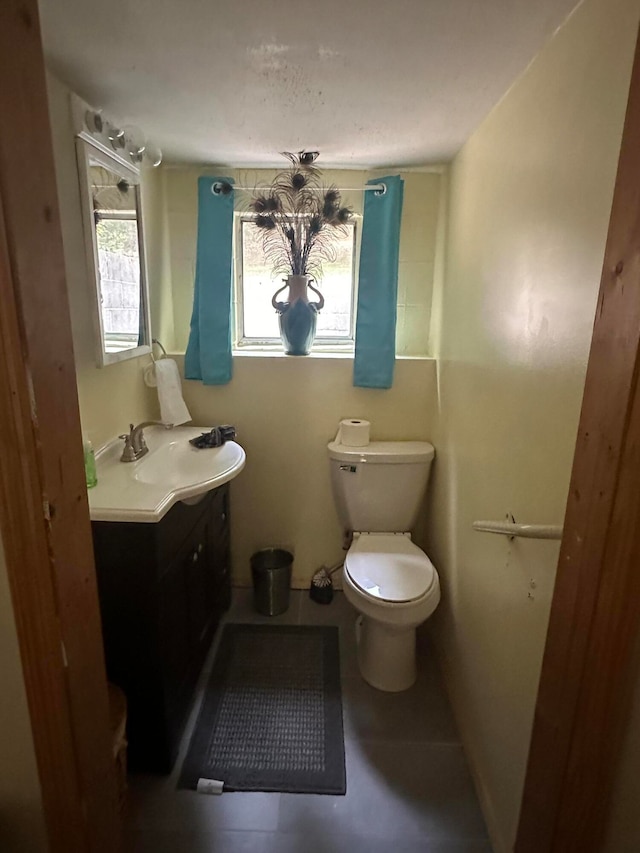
(353, 432)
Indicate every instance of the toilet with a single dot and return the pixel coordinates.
(391, 582)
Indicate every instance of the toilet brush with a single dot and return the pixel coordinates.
(321, 589)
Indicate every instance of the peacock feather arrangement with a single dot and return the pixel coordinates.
(299, 218)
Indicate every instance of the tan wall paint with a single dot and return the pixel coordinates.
(286, 410)
(529, 207)
(112, 396)
(158, 258)
(22, 828)
(418, 243)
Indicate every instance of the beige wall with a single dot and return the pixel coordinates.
(529, 205)
(112, 396)
(286, 410)
(22, 827)
(158, 258)
(418, 244)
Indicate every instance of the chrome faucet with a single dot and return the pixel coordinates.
(135, 446)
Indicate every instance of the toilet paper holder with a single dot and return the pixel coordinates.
(149, 375)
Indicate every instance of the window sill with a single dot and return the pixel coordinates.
(264, 352)
(322, 355)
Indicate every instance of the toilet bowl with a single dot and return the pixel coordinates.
(394, 586)
(378, 490)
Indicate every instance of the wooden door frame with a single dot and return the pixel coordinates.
(587, 670)
(44, 515)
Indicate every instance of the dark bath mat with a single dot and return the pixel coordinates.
(271, 717)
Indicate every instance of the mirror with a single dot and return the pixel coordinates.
(113, 228)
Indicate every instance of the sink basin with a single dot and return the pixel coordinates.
(172, 471)
(179, 464)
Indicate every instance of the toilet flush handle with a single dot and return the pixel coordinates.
(350, 468)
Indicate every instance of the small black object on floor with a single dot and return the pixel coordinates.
(321, 588)
(271, 718)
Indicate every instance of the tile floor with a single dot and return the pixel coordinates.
(408, 786)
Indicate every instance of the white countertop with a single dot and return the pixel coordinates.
(172, 471)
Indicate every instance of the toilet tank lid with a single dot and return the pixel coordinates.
(398, 452)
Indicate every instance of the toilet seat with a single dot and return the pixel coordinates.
(388, 567)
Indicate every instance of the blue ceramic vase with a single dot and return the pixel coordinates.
(297, 316)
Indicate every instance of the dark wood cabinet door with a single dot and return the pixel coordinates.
(199, 568)
(219, 543)
(172, 631)
(163, 588)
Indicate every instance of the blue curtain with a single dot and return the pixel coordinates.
(378, 286)
(208, 355)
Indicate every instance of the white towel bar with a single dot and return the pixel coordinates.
(526, 531)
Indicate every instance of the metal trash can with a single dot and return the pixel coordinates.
(271, 572)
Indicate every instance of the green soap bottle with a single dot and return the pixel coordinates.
(90, 472)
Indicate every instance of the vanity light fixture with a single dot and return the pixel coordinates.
(126, 141)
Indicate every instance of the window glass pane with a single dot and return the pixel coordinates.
(260, 319)
(334, 321)
(258, 286)
(119, 281)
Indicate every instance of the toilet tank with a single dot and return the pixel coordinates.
(378, 488)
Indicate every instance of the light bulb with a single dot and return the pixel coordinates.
(116, 136)
(135, 142)
(153, 154)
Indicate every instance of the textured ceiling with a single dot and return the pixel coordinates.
(367, 82)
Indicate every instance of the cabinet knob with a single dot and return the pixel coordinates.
(194, 557)
(200, 546)
(224, 516)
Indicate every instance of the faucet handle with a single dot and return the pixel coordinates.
(128, 454)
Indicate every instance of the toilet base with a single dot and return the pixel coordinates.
(386, 655)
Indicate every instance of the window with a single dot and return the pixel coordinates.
(119, 267)
(256, 320)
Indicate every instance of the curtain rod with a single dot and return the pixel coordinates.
(223, 188)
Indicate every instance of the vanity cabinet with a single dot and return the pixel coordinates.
(163, 588)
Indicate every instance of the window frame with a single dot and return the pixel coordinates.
(324, 343)
(118, 342)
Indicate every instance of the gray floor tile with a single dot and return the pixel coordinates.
(343, 615)
(408, 788)
(393, 791)
(242, 608)
(155, 804)
(224, 841)
(233, 841)
(339, 612)
(420, 714)
(326, 842)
